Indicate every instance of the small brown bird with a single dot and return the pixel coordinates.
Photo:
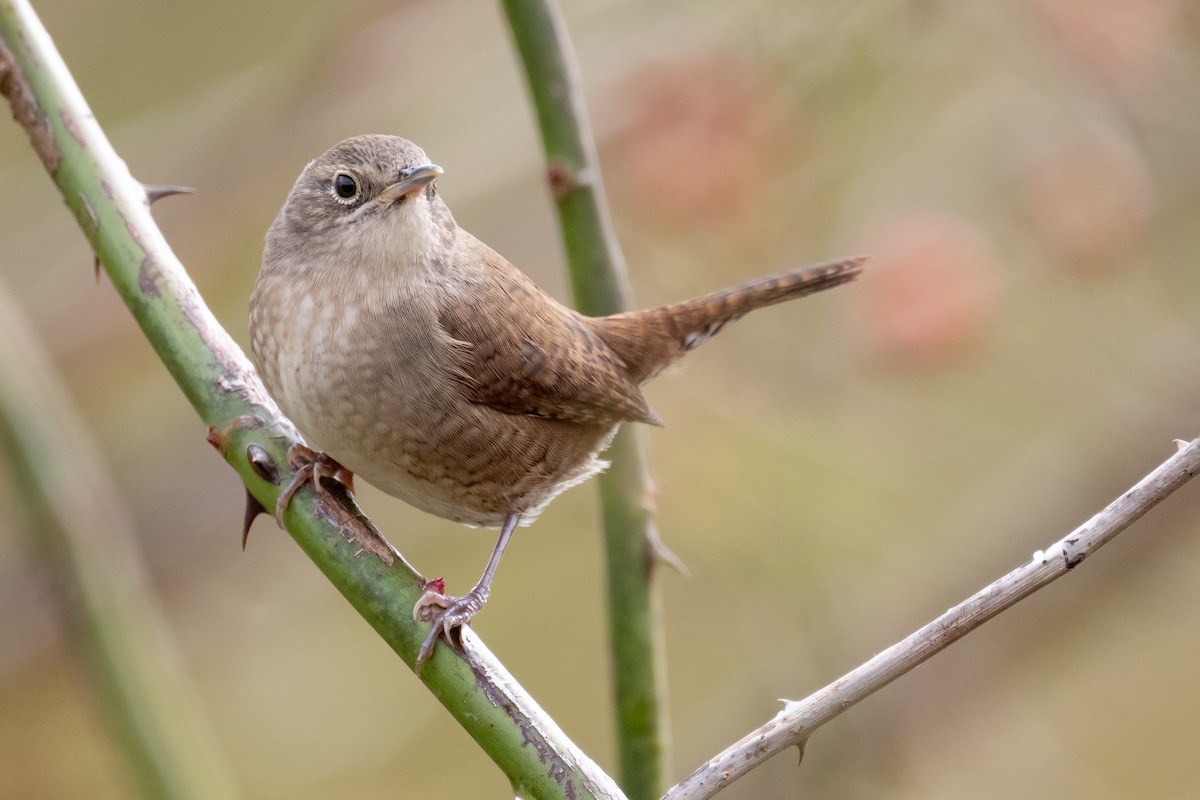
(415, 356)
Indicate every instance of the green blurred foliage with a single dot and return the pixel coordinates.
(834, 473)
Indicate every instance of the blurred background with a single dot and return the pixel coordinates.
(834, 473)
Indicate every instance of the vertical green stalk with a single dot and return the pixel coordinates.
(599, 285)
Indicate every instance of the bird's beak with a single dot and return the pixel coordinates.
(412, 179)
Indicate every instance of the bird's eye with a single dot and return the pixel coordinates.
(345, 187)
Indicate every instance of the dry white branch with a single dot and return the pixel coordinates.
(792, 726)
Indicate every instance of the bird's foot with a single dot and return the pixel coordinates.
(309, 465)
(447, 615)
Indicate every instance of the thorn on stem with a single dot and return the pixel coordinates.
(217, 438)
(659, 553)
(154, 192)
(564, 179)
(253, 509)
(263, 465)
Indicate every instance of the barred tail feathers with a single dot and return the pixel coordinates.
(649, 341)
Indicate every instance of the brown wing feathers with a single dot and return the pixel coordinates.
(533, 356)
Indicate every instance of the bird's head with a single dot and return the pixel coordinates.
(368, 203)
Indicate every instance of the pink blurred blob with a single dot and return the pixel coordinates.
(1114, 39)
(697, 136)
(1091, 201)
(930, 291)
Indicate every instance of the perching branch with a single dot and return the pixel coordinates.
(599, 284)
(792, 726)
(113, 210)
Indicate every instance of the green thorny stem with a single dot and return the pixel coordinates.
(599, 285)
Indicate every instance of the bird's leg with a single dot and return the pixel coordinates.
(309, 465)
(448, 614)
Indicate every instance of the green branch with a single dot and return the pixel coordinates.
(113, 211)
(599, 284)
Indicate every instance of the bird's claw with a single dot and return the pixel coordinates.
(447, 614)
(309, 465)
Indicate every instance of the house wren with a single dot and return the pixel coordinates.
(412, 354)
